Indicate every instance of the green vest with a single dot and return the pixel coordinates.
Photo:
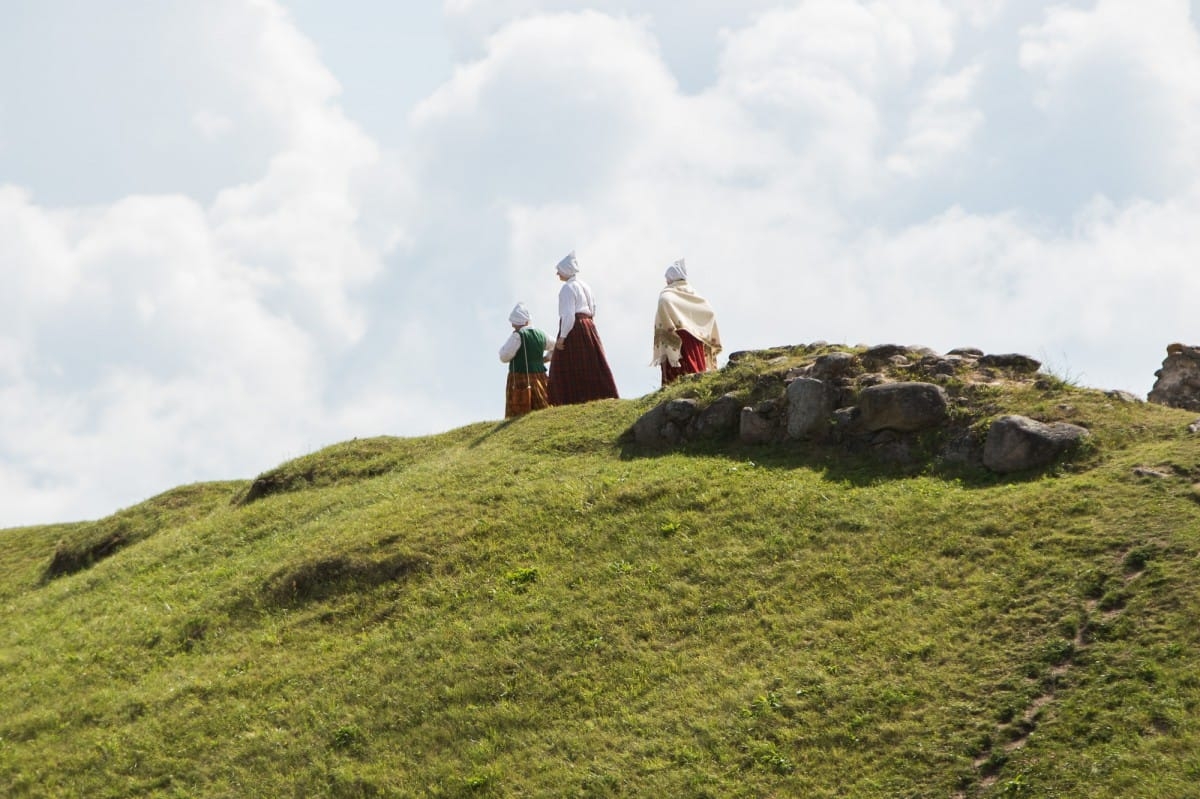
(533, 345)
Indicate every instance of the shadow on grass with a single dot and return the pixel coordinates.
(322, 578)
(837, 465)
(498, 427)
(90, 543)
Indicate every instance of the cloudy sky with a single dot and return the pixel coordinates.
(235, 231)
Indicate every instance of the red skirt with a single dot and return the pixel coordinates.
(579, 372)
(525, 393)
(692, 359)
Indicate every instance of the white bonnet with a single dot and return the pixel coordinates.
(676, 271)
(568, 267)
(520, 315)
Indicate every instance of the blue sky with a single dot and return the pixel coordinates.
(235, 231)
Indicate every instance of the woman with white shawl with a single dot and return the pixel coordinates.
(686, 340)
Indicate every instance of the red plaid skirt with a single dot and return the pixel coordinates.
(579, 372)
(692, 359)
(525, 393)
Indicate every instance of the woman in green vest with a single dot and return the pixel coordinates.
(525, 354)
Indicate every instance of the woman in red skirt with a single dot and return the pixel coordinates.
(579, 370)
(686, 340)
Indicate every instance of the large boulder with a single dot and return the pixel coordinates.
(681, 411)
(1014, 361)
(810, 405)
(1017, 443)
(665, 424)
(720, 419)
(648, 429)
(1178, 383)
(904, 407)
(834, 366)
(760, 424)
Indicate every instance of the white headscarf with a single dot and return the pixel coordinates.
(676, 271)
(568, 267)
(520, 315)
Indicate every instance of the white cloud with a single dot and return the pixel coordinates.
(941, 126)
(689, 34)
(836, 78)
(153, 340)
(1125, 79)
(921, 172)
(211, 124)
(556, 105)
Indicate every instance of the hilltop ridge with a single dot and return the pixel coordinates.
(547, 607)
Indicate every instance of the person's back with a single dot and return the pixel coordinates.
(525, 354)
(579, 370)
(686, 339)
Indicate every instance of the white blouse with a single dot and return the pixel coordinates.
(574, 297)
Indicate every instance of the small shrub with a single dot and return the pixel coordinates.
(1136, 559)
(521, 579)
(193, 632)
(1057, 652)
(348, 738)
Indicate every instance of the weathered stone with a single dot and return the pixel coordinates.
(962, 449)
(891, 447)
(809, 406)
(1194, 427)
(1017, 443)
(881, 354)
(967, 352)
(871, 379)
(833, 365)
(758, 426)
(1150, 471)
(720, 419)
(1123, 396)
(797, 371)
(1012, 360)
(906, 407)
(846, 419)
(947, 365)
(681, 411)
(647, 430)
(1178, 383)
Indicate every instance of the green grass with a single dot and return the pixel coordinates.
(528, 608)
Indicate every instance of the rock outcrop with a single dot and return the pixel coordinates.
(889, 401)
(1178, 383)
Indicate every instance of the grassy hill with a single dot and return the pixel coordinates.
(533, 608)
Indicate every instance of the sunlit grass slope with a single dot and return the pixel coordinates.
(528, 609)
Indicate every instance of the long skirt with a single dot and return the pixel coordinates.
(579, 372)
(692, 359)
(525, 393)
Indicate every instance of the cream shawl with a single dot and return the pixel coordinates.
(681, 308)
